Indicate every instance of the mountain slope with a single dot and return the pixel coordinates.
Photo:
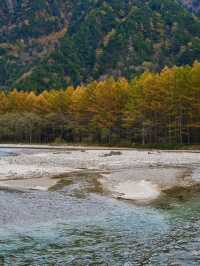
(192, 5)
(51, 44)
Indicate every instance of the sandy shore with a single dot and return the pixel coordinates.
(131, 174)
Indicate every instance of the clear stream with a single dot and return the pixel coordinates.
(77, 224)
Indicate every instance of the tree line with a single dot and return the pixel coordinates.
(154, 108)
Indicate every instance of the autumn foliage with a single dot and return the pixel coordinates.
(155, 108)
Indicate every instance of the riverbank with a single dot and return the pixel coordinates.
(168, 148)
(140, 175)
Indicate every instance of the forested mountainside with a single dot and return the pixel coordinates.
(55, 43)
(192, 5)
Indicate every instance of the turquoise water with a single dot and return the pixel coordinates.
(40, 229)
(77, 224)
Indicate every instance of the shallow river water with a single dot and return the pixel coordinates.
(75, 223)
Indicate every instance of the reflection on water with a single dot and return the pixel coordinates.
(77, 224)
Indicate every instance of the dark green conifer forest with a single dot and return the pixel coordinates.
(54, 44)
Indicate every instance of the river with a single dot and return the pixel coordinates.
(76, 223)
